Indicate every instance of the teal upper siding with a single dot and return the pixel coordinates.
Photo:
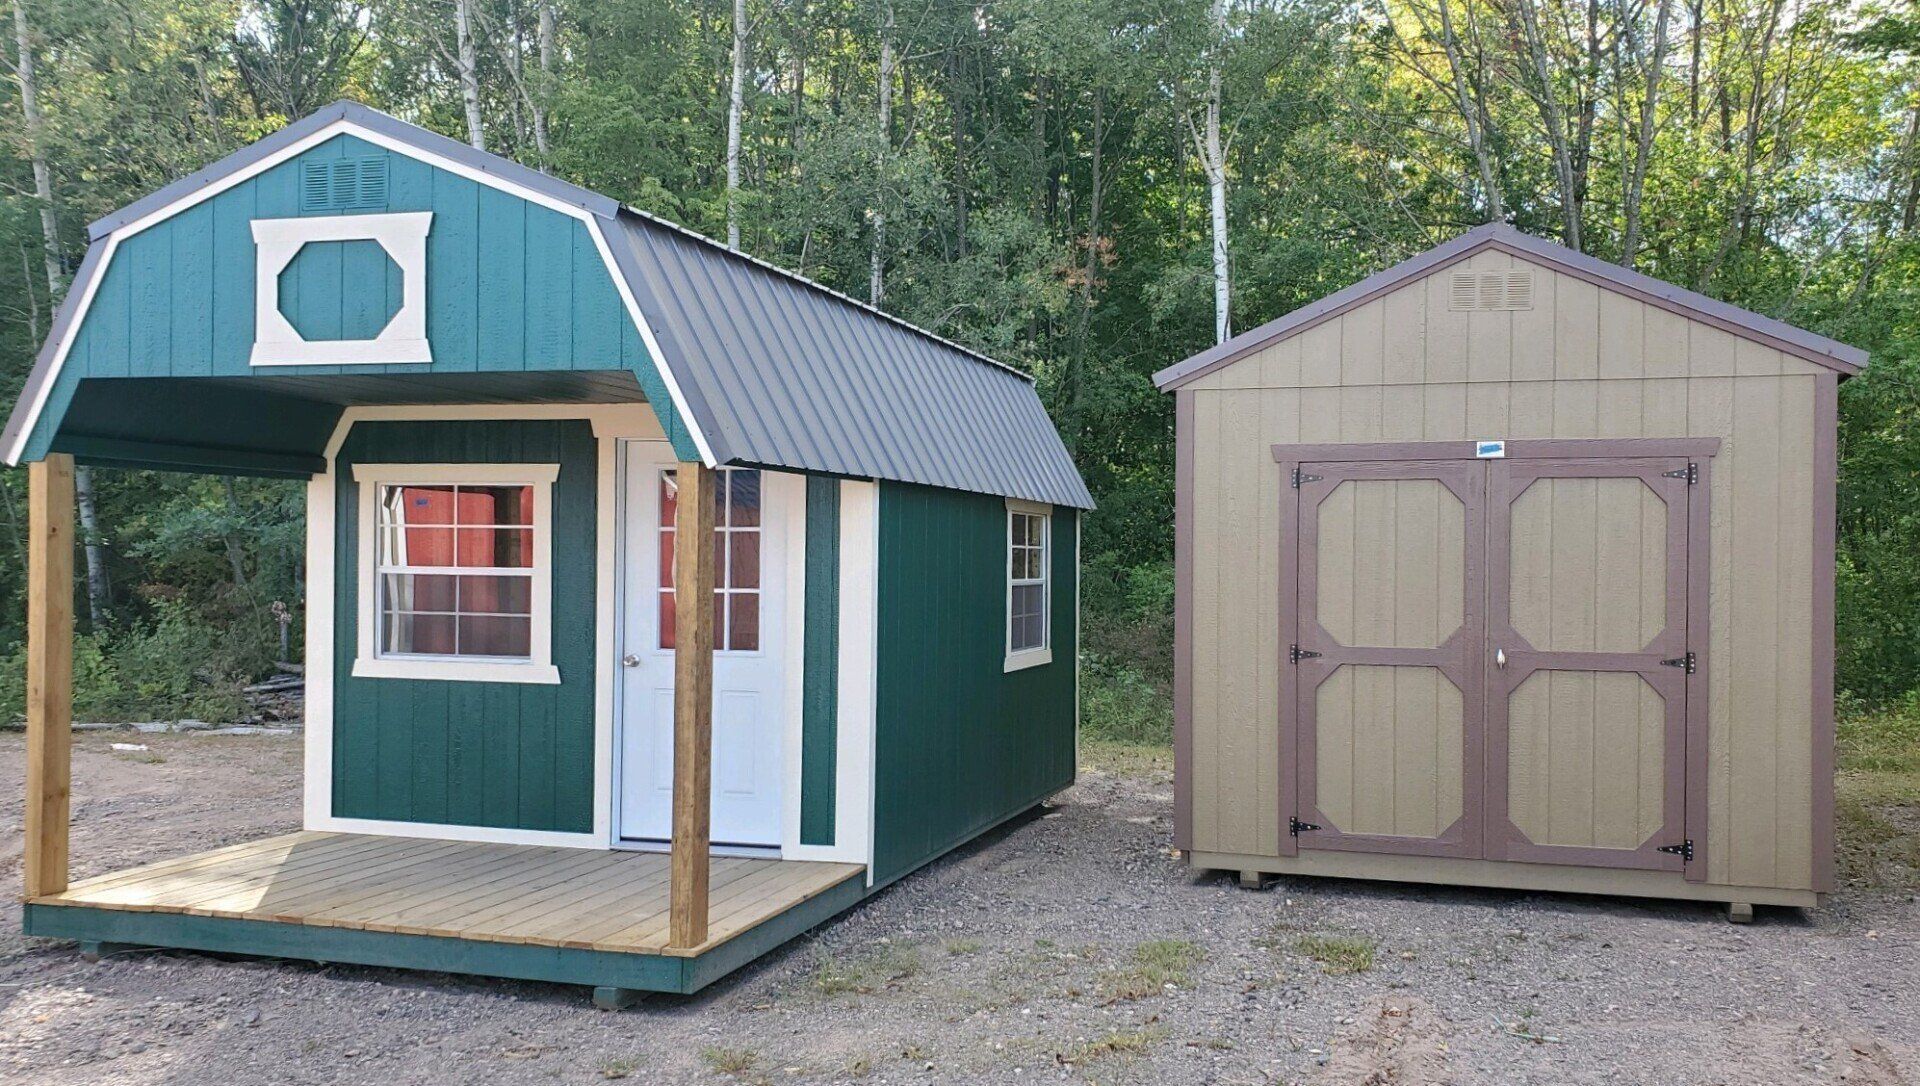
(961, 744)
(511, 286)
(466, 753)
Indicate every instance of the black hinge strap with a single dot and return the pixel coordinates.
(1302, 477)
(1691, 473)
(1295, 827)
(1684, 850)
(1685, 663)
(1296, 654)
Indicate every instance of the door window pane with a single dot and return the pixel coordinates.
(736, 558)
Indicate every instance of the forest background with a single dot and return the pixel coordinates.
(1086, 189)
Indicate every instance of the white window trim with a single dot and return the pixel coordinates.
(404, 339)
(368, 663)
(1034, 657)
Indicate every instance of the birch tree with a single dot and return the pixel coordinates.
(99, 587)
(467, 61)
(1211, 146)
(883, 110)
(736, 105)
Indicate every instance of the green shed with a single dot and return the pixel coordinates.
(523, 757)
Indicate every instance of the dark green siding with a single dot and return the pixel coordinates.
(511, 286)
(960, 744)
(465, 753)
(820, 677)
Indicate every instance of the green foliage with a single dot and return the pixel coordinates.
(174, 668)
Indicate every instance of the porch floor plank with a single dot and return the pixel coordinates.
(560, 897)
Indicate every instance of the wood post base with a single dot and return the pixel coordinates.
(1254, 880)
(1739, 912)
(92, 951)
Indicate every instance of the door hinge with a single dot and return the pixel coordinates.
(1296, 654)
(1684, 663)
(1684, 850)
(1691, 473)
(1296, 827)
(1302, 477)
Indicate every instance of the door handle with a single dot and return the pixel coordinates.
(630, 660)
(1500, 658)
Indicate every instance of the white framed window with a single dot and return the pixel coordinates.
(456, 572)
(1029, 530)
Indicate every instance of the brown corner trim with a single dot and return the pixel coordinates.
(1560, 448)
(1826, 474)
(1183, 441)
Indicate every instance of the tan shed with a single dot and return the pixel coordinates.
(1510, 567)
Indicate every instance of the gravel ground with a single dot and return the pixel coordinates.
(1070, 946)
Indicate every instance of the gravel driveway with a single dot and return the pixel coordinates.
(1069, 947)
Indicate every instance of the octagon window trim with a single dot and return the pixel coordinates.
(403, 236)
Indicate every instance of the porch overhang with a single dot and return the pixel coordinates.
(278, 426)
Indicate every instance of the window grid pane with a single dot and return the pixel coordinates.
(1027, 581)
(482, 537)
(736, 557)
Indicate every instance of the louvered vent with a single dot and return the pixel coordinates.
(343, 184)
(1491, 292)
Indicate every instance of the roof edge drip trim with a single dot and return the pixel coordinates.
(1799, 342)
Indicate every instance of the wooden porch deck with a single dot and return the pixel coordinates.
(515, 910)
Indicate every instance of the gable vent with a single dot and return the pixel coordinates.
(1491, 292)
(343, 183)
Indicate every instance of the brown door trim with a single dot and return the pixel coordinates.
(1553, 448)
(1507, 482)
(1458, 658)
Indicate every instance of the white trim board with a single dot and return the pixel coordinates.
(402, 236)
(608, 421)
(340, 127)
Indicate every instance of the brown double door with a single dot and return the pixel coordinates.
(1490, 658)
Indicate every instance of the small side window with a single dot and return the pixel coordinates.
(1029, 530)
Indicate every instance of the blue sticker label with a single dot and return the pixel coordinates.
(1489, 449)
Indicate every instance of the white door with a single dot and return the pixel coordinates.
(750, 603)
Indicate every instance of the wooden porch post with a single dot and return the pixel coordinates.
(49, 671)
(692, 703)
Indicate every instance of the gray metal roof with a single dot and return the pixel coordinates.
(779, 370)
(775, 369)
(1731, 318)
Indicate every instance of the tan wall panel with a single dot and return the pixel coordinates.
(1584, 759)
(1589, 565)
(1760, 696)
(1388, 750)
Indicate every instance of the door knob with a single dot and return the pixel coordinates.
(1499, 657)
(630, 660)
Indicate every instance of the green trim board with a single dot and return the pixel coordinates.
(512, 286)
(960, 743)
(442, 954)
(502, 755)
(820, 665)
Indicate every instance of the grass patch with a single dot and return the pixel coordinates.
(1338, 954)
(866, 973)
(1125, 759)
(618, 1068)
(734, 1062)
(962, 947)
(1154, 965)
(1877, 796)
(1131, 1042)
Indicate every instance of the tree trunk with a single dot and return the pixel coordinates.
(1213, 159)
(1643, 138)
(549, 30)
(1471, 114)
(1553, 120)
(99, 587)
(736, 105)
(469, 64)
(876, 268)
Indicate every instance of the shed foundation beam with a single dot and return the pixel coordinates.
(692, 703)
(49, 672)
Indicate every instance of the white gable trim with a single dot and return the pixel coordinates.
(340, 127)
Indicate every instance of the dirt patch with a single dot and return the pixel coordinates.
(1392, 1040)
(1070, 946)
